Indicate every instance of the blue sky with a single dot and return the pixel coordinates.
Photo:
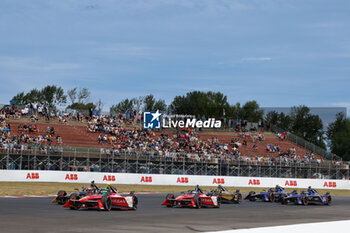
(278, 52)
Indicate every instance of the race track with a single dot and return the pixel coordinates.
(40, 215)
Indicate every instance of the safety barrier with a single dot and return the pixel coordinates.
(156, 179)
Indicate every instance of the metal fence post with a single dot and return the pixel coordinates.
(8, 159)
(61, 162)
(48, 163)
(88, 160)
(239, 167)
(100, 162)
(183, 165)
(75, 157)
(20, 162)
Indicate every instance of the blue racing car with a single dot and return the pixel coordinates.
(273, 194)
(311, 196)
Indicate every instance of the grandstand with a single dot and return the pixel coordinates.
(124, 147)
(76, 135)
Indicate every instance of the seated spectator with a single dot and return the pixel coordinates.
(33, 118)
(59, 139)
(52, 131)
(35, 128)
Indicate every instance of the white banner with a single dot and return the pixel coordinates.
(158, 179)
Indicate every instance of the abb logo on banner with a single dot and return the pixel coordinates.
(109, 178)
(71, 177)
(183, 180)
(219, 181)
(33, 176)
(254, 182)
(291, 183)
(146, 179)
(330, 184)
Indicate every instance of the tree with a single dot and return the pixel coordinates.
(99, 105)
(138, 104)
(122, 106)
(250, 111)
(338, 134)
(50, 95)
(235, 111)
(272, 117)
(81, 106)
(211, 104)
(160, 105)
(83, 95)
(72, 94)
(151, 104)
(20, 98)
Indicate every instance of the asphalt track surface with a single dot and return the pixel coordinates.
(40, 215)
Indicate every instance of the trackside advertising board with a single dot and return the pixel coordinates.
(157, 179)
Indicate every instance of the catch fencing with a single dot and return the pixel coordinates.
(93, 160)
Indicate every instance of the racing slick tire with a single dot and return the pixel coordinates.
(107, 202)
(305, 201)
(284, 201)
(61, 197)
(169, 196)
(197, 201)
(251, 198)
(219, 198)
(271, 197)
(219, 201)
(329, 200)
(237, 198)
(135, 202)
(73, 196)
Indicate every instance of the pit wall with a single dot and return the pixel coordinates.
(158, 179)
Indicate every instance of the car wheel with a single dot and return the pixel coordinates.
(219, 199)
(240, 198)
(73, 197)
(305, 201)
(107, 202)
(284, 201)
(61, 200)
(135, 202)
(252, 199)
(329, 200)
(169, 196)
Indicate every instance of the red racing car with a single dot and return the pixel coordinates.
(193, 198)
(104, 199)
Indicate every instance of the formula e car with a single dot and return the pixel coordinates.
(62, 196)
(271, 195)
(225, 196)
(104, 199)
(264, 196)
(278, 193)
(311, 196)
(193, 198)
